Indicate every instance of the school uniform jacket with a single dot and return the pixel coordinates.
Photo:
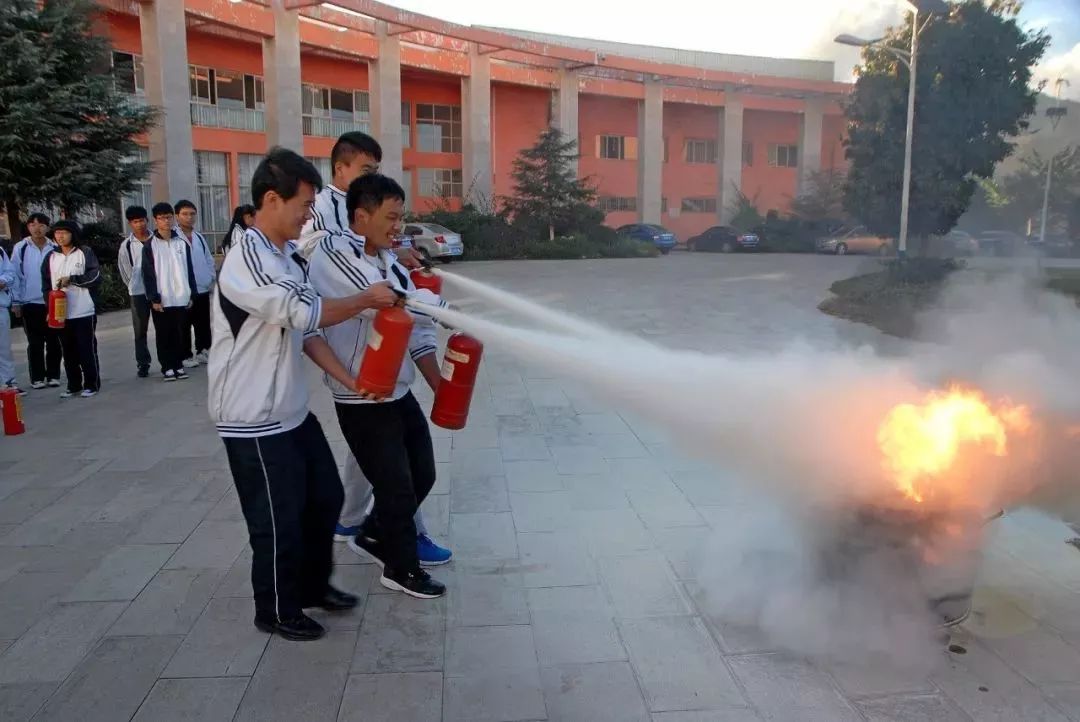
(202, 259)
(129, 262)
(260, 311)
(167, 271)
(27, 260)
(81, 268)
(328, 215)
(339, 267)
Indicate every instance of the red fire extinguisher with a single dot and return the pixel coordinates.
(12, 410)
(57, 308)
(387, 342)
(426, 278)
(452, 398)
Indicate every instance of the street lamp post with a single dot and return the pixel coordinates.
(911, 61)
(1055, 115)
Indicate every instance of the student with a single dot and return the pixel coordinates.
(42, 343)
(73, 269)
(8, 287)
(129, 261)
(390, 440)
(205, 270)
(169, 280)
(264, 314)
(242, 218)
(356, 154)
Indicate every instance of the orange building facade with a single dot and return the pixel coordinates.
(666, 136)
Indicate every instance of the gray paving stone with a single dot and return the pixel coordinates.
(664, 510)
(642, 586)
(614, 532)
(49, 524)
(605, 692)
(20, 702)
(415, 696)
(479, 494)
(484, 650)
(1038, 654)
(437, 516)
(1066, 697)
(619, 446)
(466, 463)
(523, 448)
(532, 476)
(684, 548)
(213, 545)
(237, 581)
(579, 460)
(555, 560)
(739, 714)
(483, 536)
(170, 604)
(475, 436)
(54, 645)
(223, 642)
(911, 708)
(779, 686)
(400, 634)
(880, 676)
(26, 597)
(112, 680)
(678, 665)
(122, 574)
(484, 594)
(22, 504)
(594, 492)
(299, 681)
(187, 700)
(495, 697)
(574, 625)
(543, 512)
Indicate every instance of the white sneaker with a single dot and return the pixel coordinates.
(38, 385)
(203, 357)
(54, 383)
(190, 363)
(87, 393)
(170, 376)
(68, 394)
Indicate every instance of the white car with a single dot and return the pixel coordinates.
(434, 241)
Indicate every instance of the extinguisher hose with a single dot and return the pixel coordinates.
(426, 309)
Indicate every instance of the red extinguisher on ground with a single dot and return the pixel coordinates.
(12, 411)
(452, 398)
(388, 340)
(426, 278)
(57, 308)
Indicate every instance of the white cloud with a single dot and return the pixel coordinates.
(1064, 65)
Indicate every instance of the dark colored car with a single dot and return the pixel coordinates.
(724, 239)
(650, 233)
(1000, 243)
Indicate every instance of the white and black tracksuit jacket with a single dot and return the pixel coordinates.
(339, 267)
(328, 216)
(262, 308)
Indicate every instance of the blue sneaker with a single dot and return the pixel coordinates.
(430, 553)
(345, 533)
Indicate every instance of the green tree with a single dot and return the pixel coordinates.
(823, 198)
(547, 192)
(1025, 188)
(743, 211)
(973, 95)
(66, 132)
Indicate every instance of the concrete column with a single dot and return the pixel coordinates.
(384, 78)
(731, 145)
(165, 63)
(476, 129)
(813, 118)
(650, 152)
(281, 73)
(565, 107)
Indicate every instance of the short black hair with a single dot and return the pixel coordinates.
(185, 203)
(351, 143)
(134, 213)
(369, 192)
(162, 209)
(282, 171)
(39, 217)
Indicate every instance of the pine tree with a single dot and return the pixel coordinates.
(547, 192)
(66, 132)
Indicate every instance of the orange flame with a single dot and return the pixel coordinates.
(922, 444)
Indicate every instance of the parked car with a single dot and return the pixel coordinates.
(961, 243)
(435, 242)
(855, 240)
(650, 233)
(402, 240)
(1000, 243)
(724, 239)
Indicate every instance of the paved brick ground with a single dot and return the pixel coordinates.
(124, 586)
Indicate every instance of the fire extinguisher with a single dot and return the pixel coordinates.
(388, 340)
(426, 278)
(12, 410)
(452, 398)
(57, 308)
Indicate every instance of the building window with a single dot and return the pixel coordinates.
(611, 204)
(663, 205)
(323, 166)
(438, 128)
(246, 163)
(128, 75)
(612, 147)
(700, 150)
(699, 205)
(226, 99)
(212, 185)
(142, 193)
(783, 156)
(330, 112)
(747, 153)
(439, 182)
(406, 126)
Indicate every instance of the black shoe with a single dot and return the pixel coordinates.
(143, 372)
(335, 600)
(367, 547)
(298, 629)
(416, 583)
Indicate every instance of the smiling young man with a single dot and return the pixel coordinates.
(389, 438)
(129, 262)
(42, 343)
(265, 317)
(169, 281)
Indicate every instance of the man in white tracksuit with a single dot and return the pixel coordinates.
(8, 287)
(169, 280)
(43, 349)
(202, 259)
(129, 263)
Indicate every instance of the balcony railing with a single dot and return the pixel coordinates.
(216, 116)
(332, 127)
